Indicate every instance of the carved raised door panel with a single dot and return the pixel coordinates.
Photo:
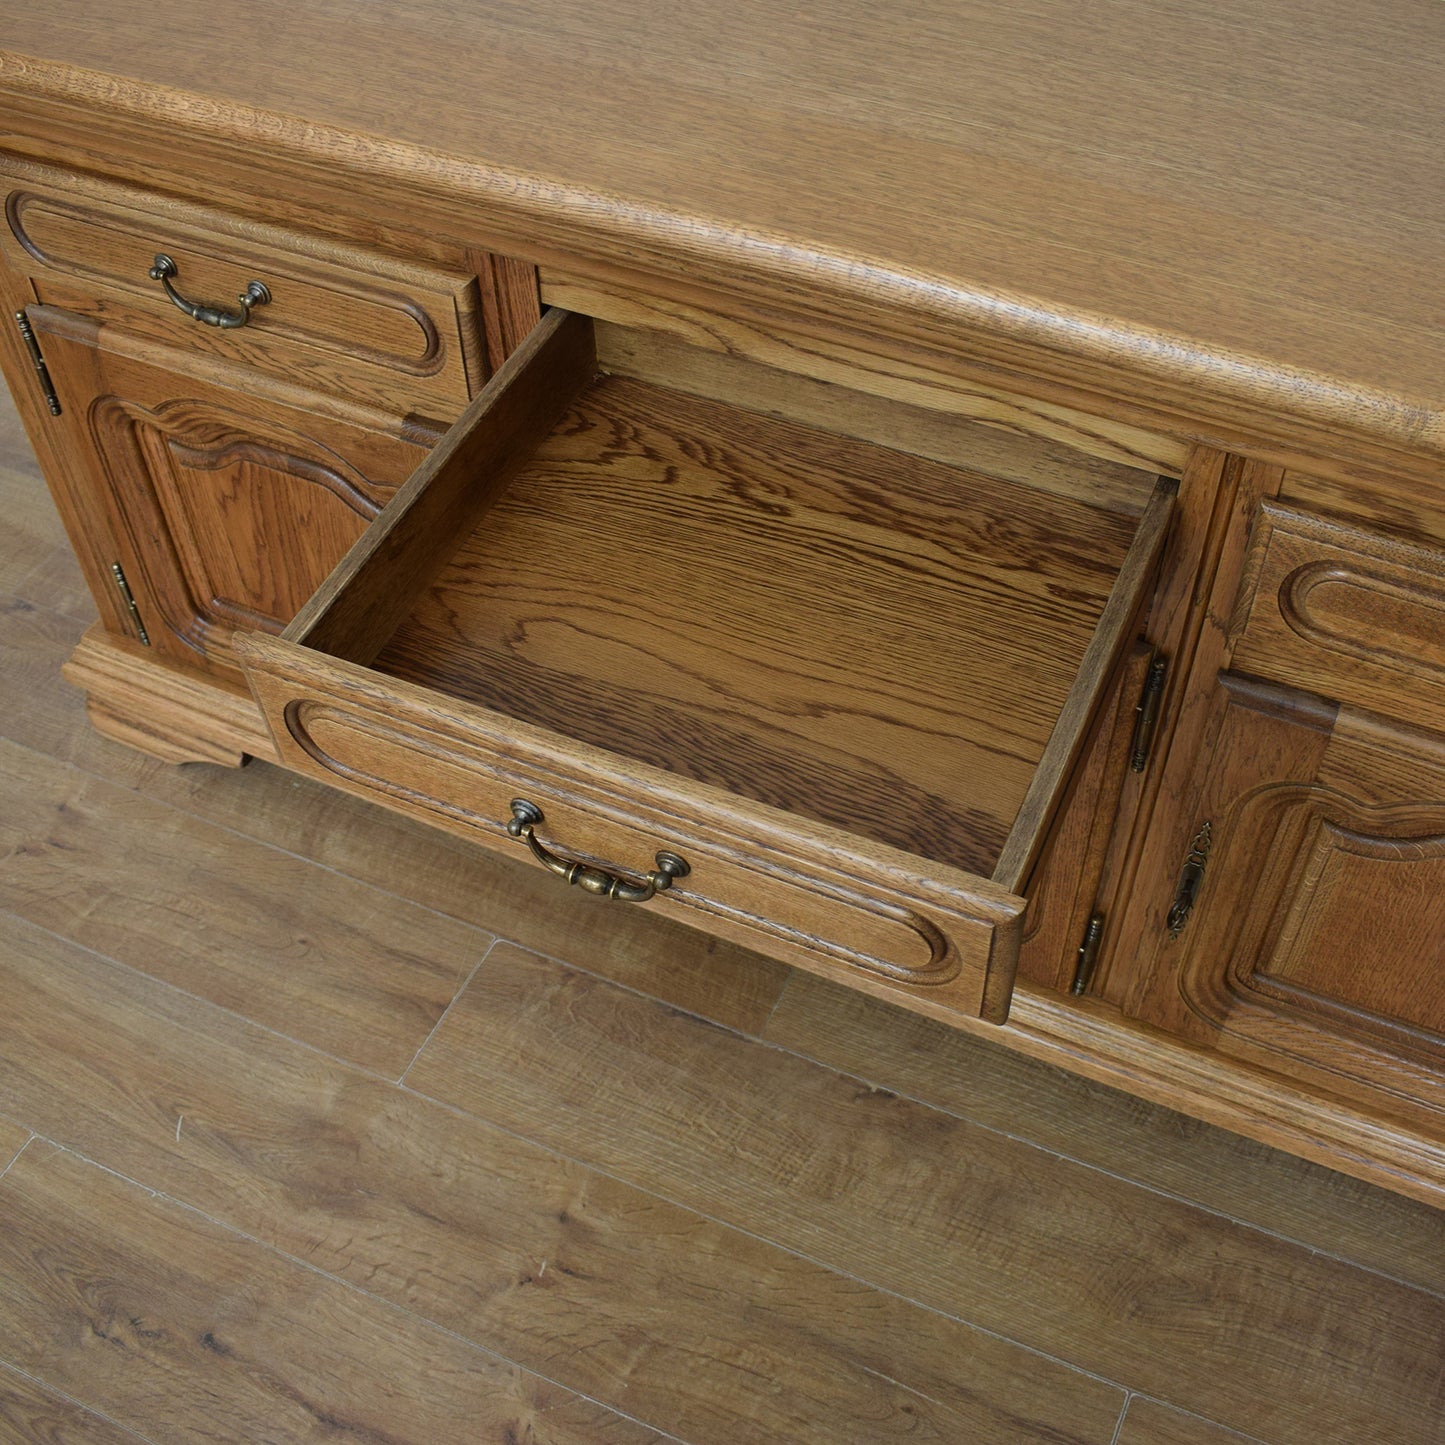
(226, 510)
(1315, 943)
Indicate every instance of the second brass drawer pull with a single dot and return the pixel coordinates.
(255, 294)
(604, 883)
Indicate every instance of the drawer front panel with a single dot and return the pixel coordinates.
(1349, 614)
(937, 940)
(394, 335)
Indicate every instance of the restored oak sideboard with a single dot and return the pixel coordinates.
(951, 499)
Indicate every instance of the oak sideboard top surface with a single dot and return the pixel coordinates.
(1231, 212)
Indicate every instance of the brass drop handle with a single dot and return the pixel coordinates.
(602, 882)
(255, 294)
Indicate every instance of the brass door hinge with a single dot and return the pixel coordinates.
(1088, 954)
(1146, 714)
(128, 597)
(1190, 877)
(32, 345)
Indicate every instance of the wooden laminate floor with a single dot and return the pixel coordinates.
(317, 1126)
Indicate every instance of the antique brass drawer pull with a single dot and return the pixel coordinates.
(605, 884)
(1190, 877)
(255, 294)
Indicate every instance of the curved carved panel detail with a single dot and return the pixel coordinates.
(939, 962)
(76, 240)
(206, 578)
(222, 455)
(1366, 614)
(1344, 924)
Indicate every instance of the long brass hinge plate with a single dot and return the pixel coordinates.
(128, 597)
(1146, 713)
(32, 345)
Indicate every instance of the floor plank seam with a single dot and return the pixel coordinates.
(79, 1404)
(742, 1230)
(431, 1032)
(390, 1305)
(702, 1214)
(1099, 1169)
(19, 1152)
(1229, 1430)
(677, 1009)
(230, 830)
(203, 1002)
(1119, 1423)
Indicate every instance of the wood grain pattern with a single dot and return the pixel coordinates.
(731, 985)
(1064, 889)
(857, 1176)
(1410, 508)
(33, 1415)
(703, 353)
(808, 621)
(1399, 1150)
(171, 713)
(89, 1062)
(1218, 498)
(933, 936)
(1146, 1422)
(1161, 198)
(57, 583)
(1314, 937)
(1119, 622)
(339, 319)
(98, 863)
(179, 1327)
(1350, 614)
(374, 586)
(1010, 1093)
(700, 1330)
(511, 304)
(13, 1139)
(228, 512)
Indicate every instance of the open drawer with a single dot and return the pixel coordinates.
(758, 652)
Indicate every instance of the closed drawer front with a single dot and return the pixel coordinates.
(844, 684)
(396, 336)
(1346, 613)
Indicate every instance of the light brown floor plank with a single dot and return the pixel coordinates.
(1083, 1120)
(32, 527)
(35, 557)
(184, 1330)
(33, 1415)
(698, 1329)
(729, 985)
(1146, 1422)
(56, 582)
(1163, 1297)
(12, 1140)
(341, 965)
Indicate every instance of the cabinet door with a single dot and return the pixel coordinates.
(225, 509)
(1315, 943)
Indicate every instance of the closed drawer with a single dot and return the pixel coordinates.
(1350, 614)
(396, 336)
(609, 622)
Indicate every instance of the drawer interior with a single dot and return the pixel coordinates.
(848, 609)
